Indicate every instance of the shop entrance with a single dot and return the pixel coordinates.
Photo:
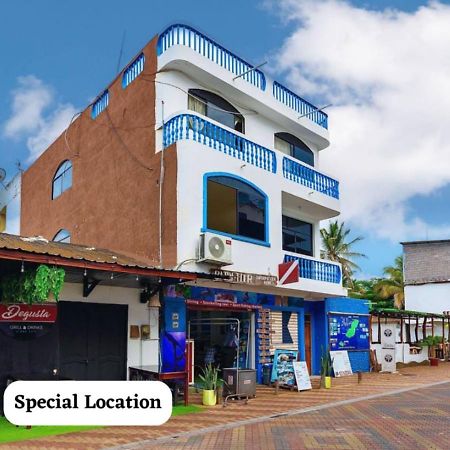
(308, 341)
(214, 338)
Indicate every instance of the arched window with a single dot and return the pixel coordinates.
(236, 208)
(62, 179)
(217, 108)
(293, 146)
(62, 236)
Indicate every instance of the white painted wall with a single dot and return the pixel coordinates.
(247, 257)
(432, 297)
(139, 352)
(211, 75)
(402, 353)
(181, 69)
(172, 88)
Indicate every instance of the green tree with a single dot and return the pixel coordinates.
(367, 289)
(392, 286)
(336, 247)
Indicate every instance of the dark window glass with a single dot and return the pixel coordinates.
(235, 207)
(297, 236)
(62, 179)
(292, 145)
(215, 107)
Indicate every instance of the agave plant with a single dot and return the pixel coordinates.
(209, 377)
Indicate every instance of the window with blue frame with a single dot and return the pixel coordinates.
(62, 236)
(62, 179)
(236, 208)
(293, 146)
(297, 236)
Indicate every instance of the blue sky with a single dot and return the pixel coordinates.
(72, 48)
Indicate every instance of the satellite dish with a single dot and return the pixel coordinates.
(2, 175)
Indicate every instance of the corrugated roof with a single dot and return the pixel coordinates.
(40, 246)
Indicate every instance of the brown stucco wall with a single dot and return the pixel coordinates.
(114, 198)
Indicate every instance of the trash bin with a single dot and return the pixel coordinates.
(242, 382)
(267, 373)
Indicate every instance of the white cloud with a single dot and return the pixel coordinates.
(30, 117)
(388, 75)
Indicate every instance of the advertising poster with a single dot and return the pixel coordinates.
(348, 332)
(341, 363)
(283, 368)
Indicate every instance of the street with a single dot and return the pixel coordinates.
(416, 419)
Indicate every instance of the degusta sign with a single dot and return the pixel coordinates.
(87, 403)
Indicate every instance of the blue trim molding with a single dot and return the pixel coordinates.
(206, 176)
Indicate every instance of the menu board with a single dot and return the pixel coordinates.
(302, 375)
(349, 332)
(283, 368)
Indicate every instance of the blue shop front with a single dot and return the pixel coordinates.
(234, 328)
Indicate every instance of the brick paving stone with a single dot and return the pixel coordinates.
(285, 432)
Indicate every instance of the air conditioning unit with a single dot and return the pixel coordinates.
(215, 249)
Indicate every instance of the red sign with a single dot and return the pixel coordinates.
(28, 313)
(288, 272)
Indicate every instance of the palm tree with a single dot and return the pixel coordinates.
(367, 290)
(336, 248)
(393, 286)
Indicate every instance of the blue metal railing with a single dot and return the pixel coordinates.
(133, 70)
(100, 104)
(190, 126)
(185, 35)
(295, 171)
(314, 269)
(295, 102)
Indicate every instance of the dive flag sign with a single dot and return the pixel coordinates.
(288, 272)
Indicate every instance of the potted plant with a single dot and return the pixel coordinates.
(209, 377)
(432, 342)
(325, 370)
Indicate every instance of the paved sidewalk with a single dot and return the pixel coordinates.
(266, 403)
(415, 419)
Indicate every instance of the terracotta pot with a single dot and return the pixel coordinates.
(434, 362)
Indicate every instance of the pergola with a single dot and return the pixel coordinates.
(411, 317)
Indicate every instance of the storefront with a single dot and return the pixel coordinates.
(223, 326)
(105, 322)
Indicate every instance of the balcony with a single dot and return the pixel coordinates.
(190, 126)
(316, 269)
(184, 35)
(178, 47)
(298, 104)
(299, 173)
(193, 127)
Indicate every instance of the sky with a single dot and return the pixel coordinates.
(384, 66)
